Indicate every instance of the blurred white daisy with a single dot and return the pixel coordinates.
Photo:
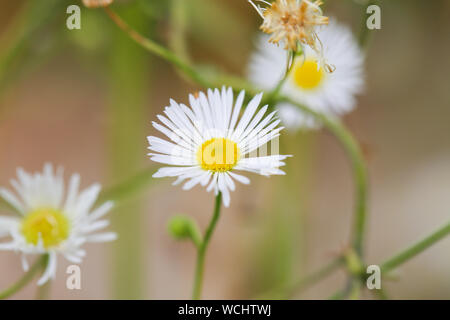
(50, 224)
(308, 83)
(210, 141)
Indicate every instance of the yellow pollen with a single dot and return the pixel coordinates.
(48, 224)
(307, 75)
(218, 155)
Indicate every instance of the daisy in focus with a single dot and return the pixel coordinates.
(307, 82)
(292, 22)
(210, 141)
(50, 223)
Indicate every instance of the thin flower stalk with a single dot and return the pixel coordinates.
(201, 251)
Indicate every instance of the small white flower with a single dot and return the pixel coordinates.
(308, 83)
(210, 141)
(50, 223)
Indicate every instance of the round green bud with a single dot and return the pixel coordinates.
(179, 227)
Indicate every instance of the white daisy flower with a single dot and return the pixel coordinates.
(308, 83)
(210, 141)
(50, 223)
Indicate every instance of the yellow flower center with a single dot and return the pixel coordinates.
(218, 155)
(307, 75)
(48, 224)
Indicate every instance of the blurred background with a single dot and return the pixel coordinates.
(85, 99)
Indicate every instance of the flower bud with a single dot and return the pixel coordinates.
(181, 227)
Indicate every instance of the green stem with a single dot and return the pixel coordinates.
(338, 295)
(157, 49)
(43, 292)
(128, 70)
(196, 293)
(32, 18)
(408, 254)
(128, 187)
(16, 287)
(315, 277)
(355, 290)
(359, 171)
(415, 249)
(178, 23)
(305, 282)
(380, 294)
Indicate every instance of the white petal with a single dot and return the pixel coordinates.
(254, 122)
(176, 161)
(247, 116)
(268, 165)
(86, 200)
(101, 211)
(24, 261)
(73, 258)
(223, 188)
(7, 225)
(95, 226)
(72, 192)
(236, 111)
(102, 237)
(239, 178)
(50, 270)
(173, 171)
(12, 200)
(194, 181)
(8, 246)
(213, 183)
(229, 182)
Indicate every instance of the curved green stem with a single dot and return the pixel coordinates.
(157, 49)
(178, 24)
(128, 187)
(415, 249)
(405, 255)
(353, 151)
(196, 293)
(315, 277)
(16, 287)
(43, 291)
(204, 77)
(304, 282)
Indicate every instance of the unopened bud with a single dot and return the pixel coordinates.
(181, 227)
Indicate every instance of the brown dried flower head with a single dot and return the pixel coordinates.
(97, 3)
(292, 22)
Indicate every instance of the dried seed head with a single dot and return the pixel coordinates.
(292, 22)
(97, 3)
